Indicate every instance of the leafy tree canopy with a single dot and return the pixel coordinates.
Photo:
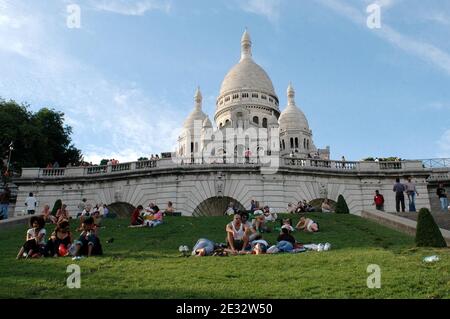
(38, 138)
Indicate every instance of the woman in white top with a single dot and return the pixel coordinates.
(35, 240)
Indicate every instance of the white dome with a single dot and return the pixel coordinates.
(197, 114)
(207, 122)
(247, 74)
(292, 118)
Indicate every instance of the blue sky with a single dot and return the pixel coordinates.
(126, 78)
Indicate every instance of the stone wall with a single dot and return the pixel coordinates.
(188, 187)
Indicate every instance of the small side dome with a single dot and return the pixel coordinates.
(197, 114)
(207, 123)
(292, 118)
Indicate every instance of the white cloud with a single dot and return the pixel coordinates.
(118, 117)
(444, 145)
(427, 52)
(132, 8)
(267, 8)
(439, 18)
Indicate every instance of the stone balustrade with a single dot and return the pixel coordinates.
(286, 162)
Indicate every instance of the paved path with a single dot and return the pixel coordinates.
(442, 219)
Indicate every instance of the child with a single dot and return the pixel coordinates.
(35, 240)
(88, 244)
(307, 225)
(60, 241)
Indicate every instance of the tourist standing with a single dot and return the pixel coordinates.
(442, 194)
(247, 156)
(378, 201)
(399, 190)
(5, 197)
(31, 204)
(411, 191)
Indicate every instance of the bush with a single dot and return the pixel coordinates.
(427, 232)
(58, 205)
(341, 206)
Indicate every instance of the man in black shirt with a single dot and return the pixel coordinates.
(399, 190)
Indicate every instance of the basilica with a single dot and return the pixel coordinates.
(247, 100)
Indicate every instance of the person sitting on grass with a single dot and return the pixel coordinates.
(62, 214)
(157, 218)
(203, 247)
(169, 210)
(251, 231)
(35, 240)
(47, 215)
(307, 225)
(60, 240)
(326, 208)
(285, 241)
(88, 244)
(260, 223)
(237, 235)
(268, 215)
(136, 218)
(97, 219)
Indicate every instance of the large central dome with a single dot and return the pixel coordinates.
(247, 74)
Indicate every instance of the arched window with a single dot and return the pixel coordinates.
(220, 125)
(296, 142)
(196, 147)
(264, 123)
(307, 144)
(192, 147)
(255, 120)
(284, 145)
(292, 143)
(255, 95)
(304, 143)
(227, 122)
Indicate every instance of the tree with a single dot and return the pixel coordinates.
(38, 138)
(428, 233)
(341, 206)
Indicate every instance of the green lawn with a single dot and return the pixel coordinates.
(145, 263)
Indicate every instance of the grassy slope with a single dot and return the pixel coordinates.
(145, 263)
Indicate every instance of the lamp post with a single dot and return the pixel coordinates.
(11, 148)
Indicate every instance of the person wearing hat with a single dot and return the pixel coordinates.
(307, 225)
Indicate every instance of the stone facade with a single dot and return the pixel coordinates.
(188, 186)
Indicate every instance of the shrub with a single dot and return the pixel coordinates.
(58, 205)
(341, 206)
(427, 232)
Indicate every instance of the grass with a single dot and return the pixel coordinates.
(145, 263)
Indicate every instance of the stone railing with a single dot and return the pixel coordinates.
(286, 162)
(52, 172)
(339, 165)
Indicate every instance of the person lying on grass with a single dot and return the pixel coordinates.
(60, 241)
(203, 247)
(35, 239)
(307, 225)
(88, 244)
(237, 234)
